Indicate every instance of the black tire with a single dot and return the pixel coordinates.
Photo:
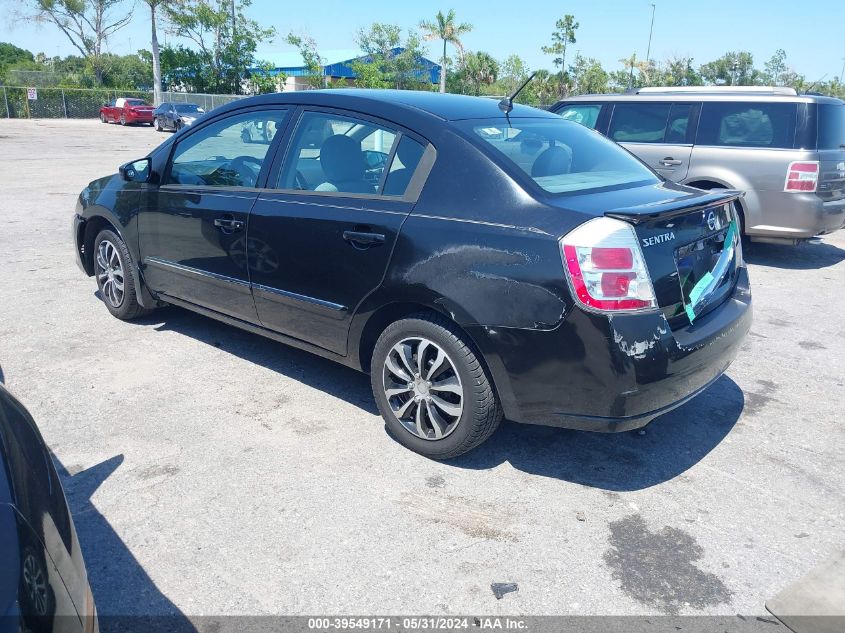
(157, 124)
(481, 412)
(124, 306)
(103, 118)
(37, 600)
(123, 119)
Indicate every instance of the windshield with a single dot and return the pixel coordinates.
(561, 156)
(187, 107)
(831, 126)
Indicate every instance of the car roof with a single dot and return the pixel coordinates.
(706, 95)
(447, 107)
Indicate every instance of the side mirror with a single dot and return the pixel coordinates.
(136, 171)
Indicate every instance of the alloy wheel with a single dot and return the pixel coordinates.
(110, 273)
(36, 584)
(423, 388)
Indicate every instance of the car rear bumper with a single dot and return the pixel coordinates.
(610, 374)
(796, 216)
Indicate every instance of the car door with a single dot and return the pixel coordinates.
(320, 239)
(193, 229)
(659, 133)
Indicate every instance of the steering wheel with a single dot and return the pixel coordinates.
(248, 168)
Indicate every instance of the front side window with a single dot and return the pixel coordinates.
(560, 156)
(334, 153)
(639, 122)
(760, 124)
(224, 154)
(586, 114)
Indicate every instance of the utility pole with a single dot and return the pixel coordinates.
(650, 31)
(842, 72)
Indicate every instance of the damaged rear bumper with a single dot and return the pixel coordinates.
(614, 373)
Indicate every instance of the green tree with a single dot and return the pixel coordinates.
(310, 58)
(679, 71)
(445, 28)
(185, 69)
(588, 76)
(731, 69)
(86, 23)
(479, 70)
(263, 79)
(563, 35)
(390, 62)
(226, 38)
(513, 72)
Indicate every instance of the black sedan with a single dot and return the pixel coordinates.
(175, 116)
(477, 261)
(43, 582)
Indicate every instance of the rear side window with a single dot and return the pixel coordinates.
(639, 122)
(831, 126)
(584, 113)
(405, 160)
(747, 125)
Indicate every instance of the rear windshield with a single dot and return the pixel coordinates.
(561, 156)
(135, 102)
(831, 126)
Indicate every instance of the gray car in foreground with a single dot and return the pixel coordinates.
(785, 150)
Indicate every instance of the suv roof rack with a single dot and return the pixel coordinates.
(768, 90)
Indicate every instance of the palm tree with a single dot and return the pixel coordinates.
(445, 28)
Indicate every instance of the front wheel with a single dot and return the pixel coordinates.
(432, 389)
(157, 123)
(116, 276)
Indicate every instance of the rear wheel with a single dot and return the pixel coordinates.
(123, 119)
(116, 276)
(103, 118)
(431, 388)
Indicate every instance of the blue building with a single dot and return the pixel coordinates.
(340, 72)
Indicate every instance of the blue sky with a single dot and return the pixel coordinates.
(610, 29)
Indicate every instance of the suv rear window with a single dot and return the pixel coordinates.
(748, 125)
(560, 156)
(831, 126)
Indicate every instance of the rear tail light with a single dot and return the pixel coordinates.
(605, 267)
(802, 176)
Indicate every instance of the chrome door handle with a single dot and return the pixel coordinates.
(670, 162)
(228, 224)
(362, 239)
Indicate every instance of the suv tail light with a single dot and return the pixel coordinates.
(802, 176)
(605, 267)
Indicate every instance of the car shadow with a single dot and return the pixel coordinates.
(618, 462)
(126, 597)
(804, 256)
(671, 444)
(341, 382)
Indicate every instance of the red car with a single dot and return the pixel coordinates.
(125, 111)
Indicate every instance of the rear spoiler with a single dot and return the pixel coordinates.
(665, 210)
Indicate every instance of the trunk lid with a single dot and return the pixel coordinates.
(692, 250)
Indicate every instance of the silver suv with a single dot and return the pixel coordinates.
(785, 150)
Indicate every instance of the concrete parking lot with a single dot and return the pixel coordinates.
(211, 471)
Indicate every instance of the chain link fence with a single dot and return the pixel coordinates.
(81, 103)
